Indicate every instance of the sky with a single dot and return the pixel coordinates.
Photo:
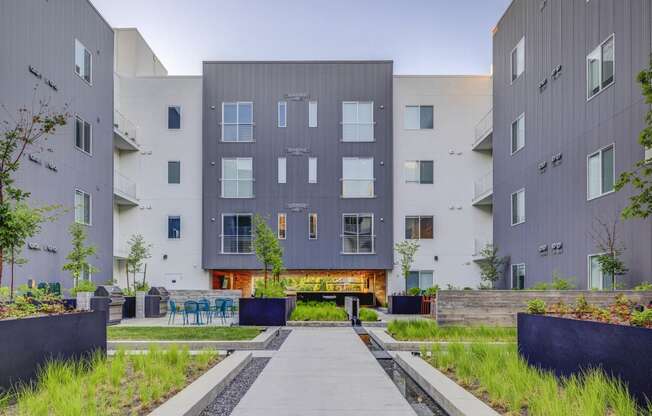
(441, 37)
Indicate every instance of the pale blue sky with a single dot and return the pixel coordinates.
(421, 36)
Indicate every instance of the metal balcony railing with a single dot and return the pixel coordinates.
(124, 126)
(484, 185)
(124, 185)
(484, 127)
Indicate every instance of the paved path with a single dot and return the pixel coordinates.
(319, 372)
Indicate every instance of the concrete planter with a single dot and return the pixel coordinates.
(567, 346)
(266, 311)
(404, 305)
(29, 343)
(84, 301)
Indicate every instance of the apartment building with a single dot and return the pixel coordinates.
(435, 167)
(567, 112)
(307, 145)
(61, 52)
(157, 159)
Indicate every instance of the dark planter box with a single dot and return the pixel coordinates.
(405, 305)
(266, 311)
(366, 299)
(129, 307)
(567, 346)
(152, 306)
(28, 343)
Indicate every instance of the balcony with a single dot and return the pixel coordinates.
(483, 190)
(124, 133)
(120, 251)
(484, 133)
(124, 190)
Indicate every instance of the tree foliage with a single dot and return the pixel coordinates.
(406, 250)
(491, 265)
(78, 257)
(606, 239)
(139, 251)
(267, 247)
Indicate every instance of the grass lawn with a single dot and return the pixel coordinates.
(427, 330)
(120, 385)
(497, 375)
(327, 311)
(188, 333)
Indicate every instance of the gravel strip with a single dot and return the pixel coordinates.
(278, 340)
(229, 398)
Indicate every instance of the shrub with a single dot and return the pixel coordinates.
(414, 291)
(274, 289)
(367, 314)
(432, 291)
(83, 286)
(318, 311)
(645, 286)
(642, 318)
(536, 307)
(559, 308)
(582, 307)
(558, 283)
(541, 286)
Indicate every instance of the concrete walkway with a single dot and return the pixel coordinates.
(319, 372)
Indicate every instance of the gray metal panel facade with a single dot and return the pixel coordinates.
(329, 83)
(42, 34)
(560, 120)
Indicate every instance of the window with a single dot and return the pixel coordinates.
(82, 207)
(518, 207)
(282, 114)
(83, 135)
(423, 279)
(83, 62)
(600, 172)
(282, 170)
(597, 278)
(357, 177)
(518, 276)
(418, 117)
(174, 227)
(419, 228)
(174, 117)
(357, 234)
(312, 170)
(237, 178)
(238, 122)
(282, 226)
(236, 234)
(518, 59)
(312, 114)
(357, 121)
(600, 67)
(419, 171)
(174, 172)
(518, 133)
(312, 226)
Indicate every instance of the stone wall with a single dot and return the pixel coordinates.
(499, 307)
(180, 296)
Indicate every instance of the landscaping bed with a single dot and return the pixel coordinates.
(162, 333)
(120, 385)
(428, 330)
(327, 311)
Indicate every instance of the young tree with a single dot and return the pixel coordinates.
(78, 256)
(491, 264)
(268, 250)
(606, 239)
(640, 178)
(406, 251)
(139, 251)
(17, 135)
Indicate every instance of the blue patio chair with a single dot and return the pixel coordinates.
(191, 307)
(205, 308)
(173, 309)
(230, 307)
(220, 308)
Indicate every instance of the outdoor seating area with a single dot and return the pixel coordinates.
(202, 311)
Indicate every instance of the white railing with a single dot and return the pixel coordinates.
(484, 185)
(484, 127)
(124, 185)
(124, 126)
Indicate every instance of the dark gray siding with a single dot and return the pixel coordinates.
(560, 120)
(330, 83)
(42, 34)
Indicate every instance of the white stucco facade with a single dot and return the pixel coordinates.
(460, 228)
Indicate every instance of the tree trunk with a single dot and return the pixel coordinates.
(1, 265)
(144, 274)
(11, 291)
(265, 276)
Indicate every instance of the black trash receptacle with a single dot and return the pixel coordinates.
(152, 306)
(101, 304)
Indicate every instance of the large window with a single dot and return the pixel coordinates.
(237, 178)
(238, 122)
(174, 117)
(418, 117)
(174, 172)
(423, 279)
(357, 234)
(282, 114)
(82, 207)
(518, 207)
(419, 171)
(518, 134)
(83, 62)
(518, 59)
(282, 170)
(419, 227)
(174, 227)
(312, 114)
(357, 177)
(597, 278)
(236, 233)
(357, 121)
(312, 170)
(600, 172)
(312, 226)
(83, 135)
(282, 226)
(600, 67)
(518, 276)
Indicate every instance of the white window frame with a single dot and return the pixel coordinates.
(90, 207)
(372, 179)
(419, 217)
(312, 170)
(588, 272)
(237, 123)
(373, 234)
(90, 139)
(418, 171)
(520, 43)
(511, 207)
(74, 69)
(168, 227)
(281, 106)
(358, 123)
(281, 170)
(278, 226)
(421, 272)
(599, 152)
(313, 119)
(598, 51)
(418, 107)
(511, 275)
(521, 117)
(222, 180)
(238, 214)
(310, 216)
